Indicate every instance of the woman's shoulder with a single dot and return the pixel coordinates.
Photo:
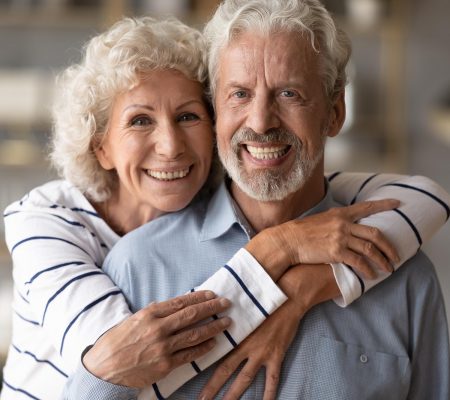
(56, 194)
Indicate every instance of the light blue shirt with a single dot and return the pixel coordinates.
(390, 344)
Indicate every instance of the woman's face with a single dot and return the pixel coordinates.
(160, 143)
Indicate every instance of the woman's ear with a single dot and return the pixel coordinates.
(102, 152)
(337, 115)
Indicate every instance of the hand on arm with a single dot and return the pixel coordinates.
(305, 286)
(331, 236)
(157, 339)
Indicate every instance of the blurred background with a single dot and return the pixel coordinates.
(398, 99)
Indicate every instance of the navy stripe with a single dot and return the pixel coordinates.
(333, 175)
(246, 290)
(441, 202)
(26, 319)
(77, 209)
(20, 391)
(75, 223)
(416, 232)
(40, 360)
(89, 306)
(157, 392)
(227, 335)
(77, 278)
(52, 268)
(192, 290)
(362, 187)
(47, 238)
(196, 367)
(10, 213)
(361, 282)
(22, 297)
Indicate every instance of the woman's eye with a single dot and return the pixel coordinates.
(188, 117)
(141, 121)
(240, 94)
(288, 93)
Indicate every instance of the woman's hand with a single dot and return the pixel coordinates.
(151, 343)
(327, 237)
(265, 347)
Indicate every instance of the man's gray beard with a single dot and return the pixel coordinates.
(269, 184)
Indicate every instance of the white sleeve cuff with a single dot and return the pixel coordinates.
(254, 296)
(348, 283)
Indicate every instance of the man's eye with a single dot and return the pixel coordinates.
(240, 94)
(188, 117)
(141, 121)
(288, 93)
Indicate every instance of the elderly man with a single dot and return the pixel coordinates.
(278, 75)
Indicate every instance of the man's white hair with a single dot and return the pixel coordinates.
(112, 63)
(305, 17)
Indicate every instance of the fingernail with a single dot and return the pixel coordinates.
(224, 302)
(225, 321)
(203, 397)
(210, 295)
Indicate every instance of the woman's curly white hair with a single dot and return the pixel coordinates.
(112, 64)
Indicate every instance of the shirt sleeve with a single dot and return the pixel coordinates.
(254, 297)
(62, 289)
(424, 209)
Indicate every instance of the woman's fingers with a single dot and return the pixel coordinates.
(359, 263)
(374, 235)
(168, 307)
(195, 313)
(198, 334)
(361, 210)
(192, 353)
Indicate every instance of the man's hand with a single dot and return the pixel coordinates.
(151, 343)
(306, 286)
(265, 347)
(329, 237)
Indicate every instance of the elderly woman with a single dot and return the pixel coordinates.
(133, 139)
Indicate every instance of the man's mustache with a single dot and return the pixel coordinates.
(272, 135)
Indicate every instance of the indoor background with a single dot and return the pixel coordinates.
(398, 99)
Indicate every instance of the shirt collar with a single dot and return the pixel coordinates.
(223, 212)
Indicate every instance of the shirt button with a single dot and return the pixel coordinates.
(363, 358)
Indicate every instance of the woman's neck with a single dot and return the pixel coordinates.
(124, 214)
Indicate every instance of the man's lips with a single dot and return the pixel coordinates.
(267, 152)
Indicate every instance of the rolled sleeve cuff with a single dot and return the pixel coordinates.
(254, 296)
(349, 284)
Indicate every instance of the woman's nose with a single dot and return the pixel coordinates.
(169, 141)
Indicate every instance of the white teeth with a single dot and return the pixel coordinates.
(168, 176)
(267, 153)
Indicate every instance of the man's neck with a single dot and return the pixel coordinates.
(263, 215)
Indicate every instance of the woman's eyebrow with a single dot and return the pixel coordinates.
(150, 108)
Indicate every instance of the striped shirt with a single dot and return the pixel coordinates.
(372, 349)
(63, 301)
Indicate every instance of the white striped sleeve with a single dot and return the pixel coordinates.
(62, 289)
(254, 296)
(424, 210)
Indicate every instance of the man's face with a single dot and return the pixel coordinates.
(272, 113)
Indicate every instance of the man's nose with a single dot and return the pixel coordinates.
(262, 114)
(170, 141)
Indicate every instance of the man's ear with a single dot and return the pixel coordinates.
(337, 115)
(102, 152)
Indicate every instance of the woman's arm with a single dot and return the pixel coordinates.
(425, 207)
